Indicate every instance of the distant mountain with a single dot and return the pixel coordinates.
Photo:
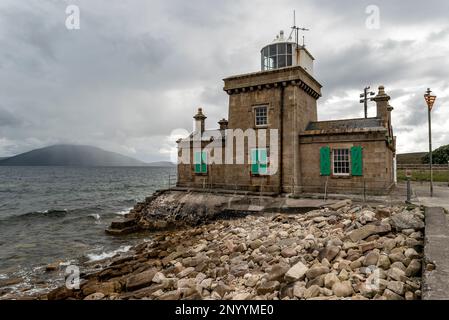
(3, 158)
(161, 164)
(71, 155)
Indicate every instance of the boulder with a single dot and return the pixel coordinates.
(140, 280)
(384, 262)
(316, 271)
(368, 230)
(268, 287)
(343, 289)
(95, 296)
(340, 204)
(330, 279)
(414, 268)
(406, 220)
(390, 295)
(277, 272)
(397, 287)
(288, 252)
(297, 272)
(312, 292)
(371, 259)
(329, 253)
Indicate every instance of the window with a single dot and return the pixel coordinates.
(261, 115)
(277, 56)
(341, 162)
(259, 161)
(200, 162)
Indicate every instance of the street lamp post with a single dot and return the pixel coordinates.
(430, 100)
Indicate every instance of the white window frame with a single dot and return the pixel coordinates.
(256, 116)
(337, 152)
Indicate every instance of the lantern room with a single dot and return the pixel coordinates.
(282, 53)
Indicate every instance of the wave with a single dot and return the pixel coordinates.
(34, 214)
(124, 211)
(96, 216)
(107, 254)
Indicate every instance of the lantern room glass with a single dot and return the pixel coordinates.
(277, 55)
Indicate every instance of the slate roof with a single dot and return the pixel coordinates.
(345, 126)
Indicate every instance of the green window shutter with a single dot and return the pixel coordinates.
(254, 162)
(325, 161)
(356, 161)
(204, 162)
(263, 161)
(197, 162)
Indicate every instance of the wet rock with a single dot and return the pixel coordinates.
(61, 293)
(140, 280)
(52, 267)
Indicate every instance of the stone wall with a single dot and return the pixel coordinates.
(377, 164)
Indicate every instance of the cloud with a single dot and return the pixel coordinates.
(138, 70)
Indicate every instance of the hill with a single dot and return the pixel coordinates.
(439, 156)
(161, 164)
(71, 155)
(411, 158)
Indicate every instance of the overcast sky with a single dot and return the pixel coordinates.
(137, 70)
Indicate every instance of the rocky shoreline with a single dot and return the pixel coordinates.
(343, 251)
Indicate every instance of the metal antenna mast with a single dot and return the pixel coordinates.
(364, 99)
(296, 30)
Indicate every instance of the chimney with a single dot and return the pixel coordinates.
(383, 107)
(223, 124)
(199, 121)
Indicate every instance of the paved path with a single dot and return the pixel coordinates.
(436, 255)
(422, 195)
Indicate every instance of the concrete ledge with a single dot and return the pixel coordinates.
(436, 256)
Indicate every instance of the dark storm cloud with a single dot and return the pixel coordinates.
(7, 119)
(136, 70)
